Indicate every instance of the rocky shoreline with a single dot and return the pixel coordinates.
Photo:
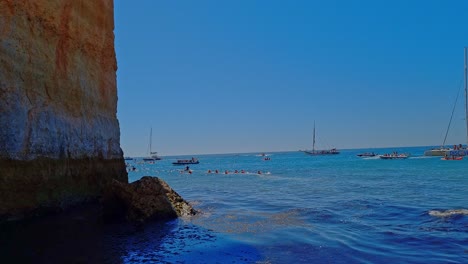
(147, 199)
(84, 233)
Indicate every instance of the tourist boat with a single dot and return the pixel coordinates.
(315, 152)
(367, 154)
(153, 155)
(394, 156)
(456, 150)
(186, 162)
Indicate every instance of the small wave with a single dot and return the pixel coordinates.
(420, 157)
(450, 212)
(371, 158)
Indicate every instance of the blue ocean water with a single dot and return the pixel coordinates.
(309, 209)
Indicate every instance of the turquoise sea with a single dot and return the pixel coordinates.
(301, 209)
(308, 209)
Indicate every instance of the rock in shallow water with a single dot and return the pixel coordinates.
(149, 198)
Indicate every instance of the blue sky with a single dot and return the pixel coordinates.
(253, 76)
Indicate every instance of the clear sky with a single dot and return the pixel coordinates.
(253, 76)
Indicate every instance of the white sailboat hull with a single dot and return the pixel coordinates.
(448, 152)
(436, 152)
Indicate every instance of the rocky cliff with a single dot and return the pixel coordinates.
(59, 134)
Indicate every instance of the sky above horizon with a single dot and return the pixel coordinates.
(253, 76)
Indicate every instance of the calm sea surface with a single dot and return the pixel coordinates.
(309, 209)
(301, 209)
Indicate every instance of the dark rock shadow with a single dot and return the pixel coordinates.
(80, 236)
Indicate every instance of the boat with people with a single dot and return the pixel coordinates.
(153, 156)
(367, 154)
(315, 152)
(394, 155)
(446, 157)
(457, 150)
(186, 161)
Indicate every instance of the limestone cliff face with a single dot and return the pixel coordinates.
(59, 133)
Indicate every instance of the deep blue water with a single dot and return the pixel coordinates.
(310, 209)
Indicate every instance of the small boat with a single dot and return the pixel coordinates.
(457, 150)
(153, 155)
(367, 154)
(315, 152)
(394, 156)
(452, 158)
(128, 158)
(322, 152)
(186, 162)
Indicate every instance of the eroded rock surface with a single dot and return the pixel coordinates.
(149, 198)
(59, 134)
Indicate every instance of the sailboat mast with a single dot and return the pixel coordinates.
(313, 141)
(151, 139)
(466, 92)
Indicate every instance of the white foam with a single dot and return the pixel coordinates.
(450, 212)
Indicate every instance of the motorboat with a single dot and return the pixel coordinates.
(367, 154)
(186, 161)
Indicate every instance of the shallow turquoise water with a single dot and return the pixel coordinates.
(309, 209)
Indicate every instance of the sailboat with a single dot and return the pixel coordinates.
(320, 152)
(153, 156)
(456, 150)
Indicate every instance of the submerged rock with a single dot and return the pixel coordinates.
(149, 198)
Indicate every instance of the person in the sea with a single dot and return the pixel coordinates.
(187, 168)
(209, 171)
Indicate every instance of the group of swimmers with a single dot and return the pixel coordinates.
(228, 172)
(188, 170)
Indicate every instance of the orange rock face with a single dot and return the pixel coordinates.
(58, 79)
(58, 95)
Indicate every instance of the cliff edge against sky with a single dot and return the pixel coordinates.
(59, 133)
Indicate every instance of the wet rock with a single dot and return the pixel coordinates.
(149, 198)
